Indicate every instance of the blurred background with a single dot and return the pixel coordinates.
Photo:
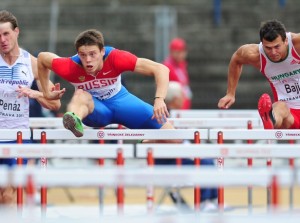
(213, 30)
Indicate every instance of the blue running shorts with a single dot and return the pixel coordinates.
(124, 108)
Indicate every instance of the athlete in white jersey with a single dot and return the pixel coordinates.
(14, 110)
(18, 69)
(277, 57)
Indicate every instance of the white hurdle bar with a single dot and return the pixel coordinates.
(215, 122)
(215, 113)
(159, 176)
(11, 134)
(126, 134)
(7, 216)
(66, 150)
(176, 122)
(255, 134)
(208, 177)
(218, 150)
(54, 122)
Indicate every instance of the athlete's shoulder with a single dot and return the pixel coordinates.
(66, 67)
(120, 60)
(109, 50)
(62, 62)
(25, 53)
(248, 51)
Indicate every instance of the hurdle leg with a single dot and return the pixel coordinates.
(150, 189)
(197, 162)
(250, 190)
(101, 190)
(120, 188)
(43, 188)
(177, 192)
(249, 164)
(291, 188)
(19, 188)
(197, 191)
(220, 167)
(269, 165)
(275, 193)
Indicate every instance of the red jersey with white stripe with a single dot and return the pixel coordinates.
(107, 83)
(283, 76)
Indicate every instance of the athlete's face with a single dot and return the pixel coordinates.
(91, 58)
(8, 38)
(178, 55)
(277, 49)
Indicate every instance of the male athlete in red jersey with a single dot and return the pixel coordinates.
(277, 57)
(99, 98)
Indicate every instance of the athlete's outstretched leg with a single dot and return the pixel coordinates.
(275, 115)
(81, 105)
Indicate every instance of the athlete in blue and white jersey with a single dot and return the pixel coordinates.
(18, 69)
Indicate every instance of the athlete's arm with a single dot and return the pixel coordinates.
(39, 96)
(44, 65)
(49, 104)
(246, 54)
(161, 75)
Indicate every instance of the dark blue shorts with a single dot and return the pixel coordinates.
(124, 108)
(12, 161)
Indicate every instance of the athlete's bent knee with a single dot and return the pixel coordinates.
(281, 108)
(82, 96)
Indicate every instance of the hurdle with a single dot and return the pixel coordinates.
(68, 151)
(228, 122)
(215, 113)
(18, 136)
(257, 134)
(124, 134)
(157, 176)
(53, 122)
(215, 122)
(217, 151)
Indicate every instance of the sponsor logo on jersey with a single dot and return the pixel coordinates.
(105, 73)
(285, 75)
(295, 62)
(14, 82)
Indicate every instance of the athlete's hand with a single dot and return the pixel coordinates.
(55, 93)
(226, 101)
(27, 92)
(160, 111)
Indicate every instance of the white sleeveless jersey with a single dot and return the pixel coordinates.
(284, 76)
(14, 111)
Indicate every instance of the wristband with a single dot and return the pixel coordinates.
(158, 97)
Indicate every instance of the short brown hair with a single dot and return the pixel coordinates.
(6, 16)
(271, 29)
(88, 38)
